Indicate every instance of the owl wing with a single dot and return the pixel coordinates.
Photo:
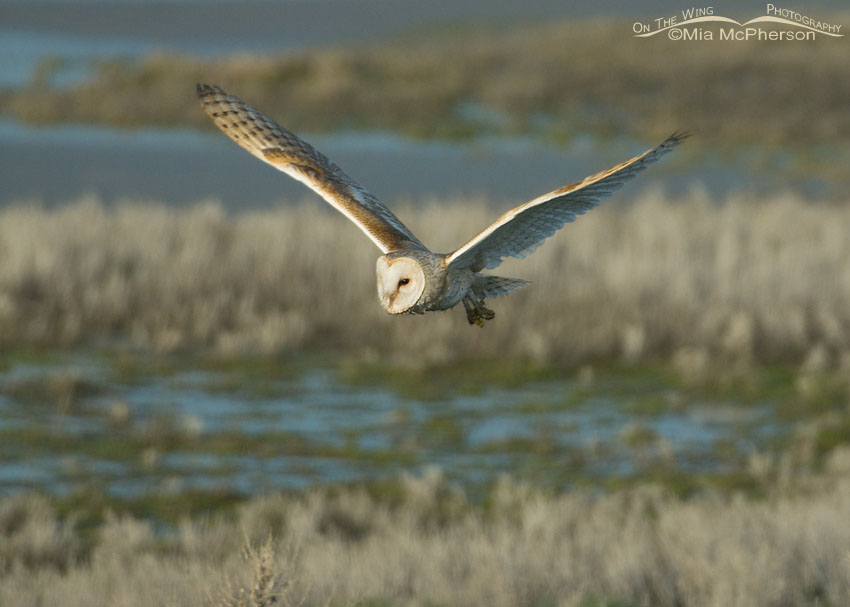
(273, 144)
(521, 230)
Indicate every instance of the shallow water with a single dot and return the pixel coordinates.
(32, 31)
(55, 165)
(76, 421)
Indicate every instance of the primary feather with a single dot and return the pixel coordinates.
(273, 144)
(412, 279)
(521, 230)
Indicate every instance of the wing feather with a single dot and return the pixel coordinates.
(521, 230)
(273, 144)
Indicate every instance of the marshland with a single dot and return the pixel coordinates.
(203, 403)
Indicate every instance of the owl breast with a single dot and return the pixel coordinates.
(417, 281)
(456, 283)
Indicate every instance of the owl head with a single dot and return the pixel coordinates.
(401, 281)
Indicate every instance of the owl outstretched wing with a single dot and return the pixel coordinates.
(521, 230)
(273, 144)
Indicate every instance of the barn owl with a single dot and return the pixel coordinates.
(412, 279)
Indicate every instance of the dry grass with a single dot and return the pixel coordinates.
(430, 546)
(267, 586)
(553, 79)
(692, 280)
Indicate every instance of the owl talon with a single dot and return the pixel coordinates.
(476, 312)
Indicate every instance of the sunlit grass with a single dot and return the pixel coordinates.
(702, 284)
(666, 534)
(422, 541)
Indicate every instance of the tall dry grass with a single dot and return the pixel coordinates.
(430, 546)
(689, 279)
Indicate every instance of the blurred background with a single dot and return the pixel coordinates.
(493, 98)
(184, 330)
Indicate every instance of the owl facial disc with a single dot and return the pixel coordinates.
(401, 282)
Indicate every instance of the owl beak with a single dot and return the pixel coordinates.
(385, 295)
(387, 298)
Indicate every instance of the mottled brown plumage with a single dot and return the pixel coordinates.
(273, 144)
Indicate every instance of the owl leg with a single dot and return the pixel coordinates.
(476, 311)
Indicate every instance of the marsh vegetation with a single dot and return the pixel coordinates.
(159, 361)
(428, 543)
(206, 408)
(690, 280)
(122, 428)
(552, 80)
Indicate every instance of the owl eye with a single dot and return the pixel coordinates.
(403, 281)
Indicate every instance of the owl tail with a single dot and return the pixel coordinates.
(495, 286)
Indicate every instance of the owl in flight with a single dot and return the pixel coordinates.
(412, 279)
